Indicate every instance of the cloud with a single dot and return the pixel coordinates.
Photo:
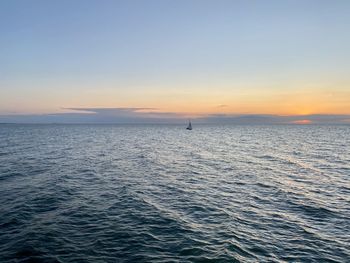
(154, 115)
(222, 106)
(143, 113)
(98, 115)
(275, 119)
(111, 110)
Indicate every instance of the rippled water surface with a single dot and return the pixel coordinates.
(159, 193)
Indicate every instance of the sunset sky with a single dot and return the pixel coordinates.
(184, 57)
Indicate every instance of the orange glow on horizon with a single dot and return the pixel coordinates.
(191, 102)
(302, 122)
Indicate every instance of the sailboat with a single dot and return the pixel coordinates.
(189, 127)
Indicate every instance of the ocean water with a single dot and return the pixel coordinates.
(160, 193)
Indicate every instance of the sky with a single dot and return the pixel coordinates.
(173, 59)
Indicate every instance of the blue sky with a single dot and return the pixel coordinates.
(256, 57)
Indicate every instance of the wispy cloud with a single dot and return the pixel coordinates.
(222, 106)
(129, 112)
(111, 110)
(98, 115)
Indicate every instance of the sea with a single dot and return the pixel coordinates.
(161, 193)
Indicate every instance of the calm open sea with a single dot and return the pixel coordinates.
(160, 193)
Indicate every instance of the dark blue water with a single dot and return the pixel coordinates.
(114, 193)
